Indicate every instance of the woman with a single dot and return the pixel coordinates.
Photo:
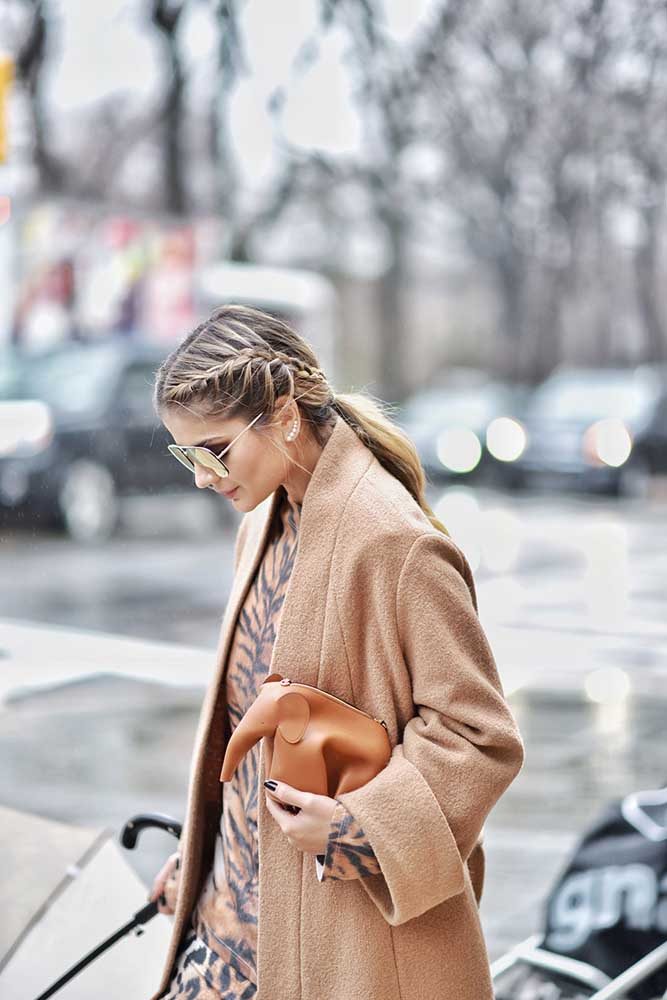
(344, 579)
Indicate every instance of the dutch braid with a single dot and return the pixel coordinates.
(241, 367)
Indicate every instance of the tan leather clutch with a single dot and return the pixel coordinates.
(314, 741)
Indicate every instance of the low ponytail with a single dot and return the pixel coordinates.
(390, 445)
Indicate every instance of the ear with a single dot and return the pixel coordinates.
(294, 715)
(272, 677)
(285, 411)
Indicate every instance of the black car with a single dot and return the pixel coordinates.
(600, 430)
(78, 432)
(465, 428)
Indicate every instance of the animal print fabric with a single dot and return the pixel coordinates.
(217, 961)
(202, 974)
(348, 854)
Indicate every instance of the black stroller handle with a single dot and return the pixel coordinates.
(145, 821)
(128, 838)
(142, 916)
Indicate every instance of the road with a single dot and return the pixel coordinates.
(571, 593)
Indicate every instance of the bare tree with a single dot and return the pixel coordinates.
(230, 64)
(166, 16)
(390, 78)
(512, 112)
(30, 64)
(642, 102)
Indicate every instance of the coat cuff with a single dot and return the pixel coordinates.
(410, 838)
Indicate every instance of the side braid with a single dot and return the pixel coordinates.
(299, 368)
(280, 373)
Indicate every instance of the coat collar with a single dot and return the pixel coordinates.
(342, 463)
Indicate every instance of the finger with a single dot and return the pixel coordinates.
(286, 793)
(156, 891)
(163, 906)
(167, 872)
(281, 817)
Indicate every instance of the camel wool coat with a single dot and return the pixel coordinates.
(380, 611)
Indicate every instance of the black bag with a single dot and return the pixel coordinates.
(609, 908)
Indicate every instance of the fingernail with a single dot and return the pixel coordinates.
(271, 785)
(163, 899)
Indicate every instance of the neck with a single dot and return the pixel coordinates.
(307, 456)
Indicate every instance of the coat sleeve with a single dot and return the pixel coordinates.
(424, 813)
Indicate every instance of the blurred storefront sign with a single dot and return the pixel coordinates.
(6, 80)
(86, 275)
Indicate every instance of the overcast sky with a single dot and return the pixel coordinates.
(109, 49)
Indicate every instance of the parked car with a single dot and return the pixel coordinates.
(601, 430)
(465, 427)
(78, 432)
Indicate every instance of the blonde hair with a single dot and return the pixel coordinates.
(240, 360)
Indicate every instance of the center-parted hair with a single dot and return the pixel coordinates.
(240, 360)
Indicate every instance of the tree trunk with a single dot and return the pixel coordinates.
(393, 384)
(509, 275)
(31, 62)
(645, 274)
(173, 152)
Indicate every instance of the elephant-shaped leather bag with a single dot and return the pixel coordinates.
(313, 740)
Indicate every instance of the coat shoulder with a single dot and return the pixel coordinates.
(384, 519)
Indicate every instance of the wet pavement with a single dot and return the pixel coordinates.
(571, 592)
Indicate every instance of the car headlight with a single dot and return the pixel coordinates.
(607, 442)
(458, 449)
(26, 427)
(506, 439)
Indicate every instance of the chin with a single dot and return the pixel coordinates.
(246, 503)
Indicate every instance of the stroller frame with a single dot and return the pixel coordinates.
(530, 952)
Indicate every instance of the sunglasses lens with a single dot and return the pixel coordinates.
(181, 457)
(187, 456)
(204, 457)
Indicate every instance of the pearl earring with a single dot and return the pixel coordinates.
(293, 431)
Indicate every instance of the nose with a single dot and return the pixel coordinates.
(204, 477)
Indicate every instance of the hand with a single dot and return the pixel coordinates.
(302, 816)
(165, 885)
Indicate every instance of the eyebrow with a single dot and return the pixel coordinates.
(222, 439)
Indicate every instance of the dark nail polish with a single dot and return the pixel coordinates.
(163, 899)
(271, 785)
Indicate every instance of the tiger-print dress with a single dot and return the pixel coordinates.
(217, 956)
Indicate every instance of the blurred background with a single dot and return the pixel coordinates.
(461, 204)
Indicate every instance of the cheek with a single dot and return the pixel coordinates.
(262, 471)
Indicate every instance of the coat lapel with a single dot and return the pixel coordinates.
(342, 463)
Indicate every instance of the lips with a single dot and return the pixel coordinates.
(231, 493)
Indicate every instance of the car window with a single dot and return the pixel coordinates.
(472, 406)
(73, 380)
(591, 396)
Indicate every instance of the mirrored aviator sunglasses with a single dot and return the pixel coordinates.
(187, 455)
